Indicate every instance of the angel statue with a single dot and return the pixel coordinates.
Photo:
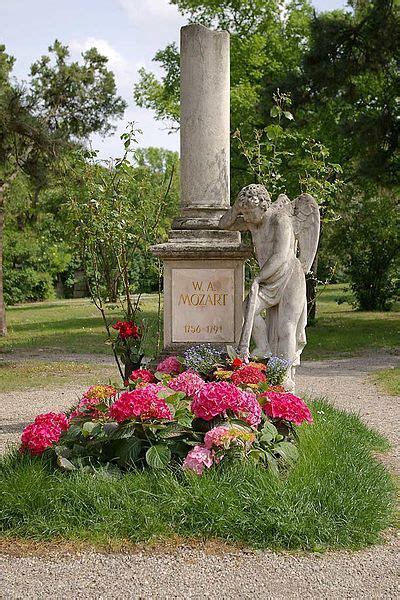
(285, 237)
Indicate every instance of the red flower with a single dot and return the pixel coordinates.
(237, 362)
(286, 406)
(248, 375)
(44, 432)
(127, 329)
(143, 374)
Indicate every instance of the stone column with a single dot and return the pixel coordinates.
(203, 266)
(204, 126)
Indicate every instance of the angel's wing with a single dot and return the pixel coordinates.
(306, 224)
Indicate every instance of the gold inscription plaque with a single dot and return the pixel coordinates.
(203, 305)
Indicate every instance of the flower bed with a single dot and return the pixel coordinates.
(197, 412)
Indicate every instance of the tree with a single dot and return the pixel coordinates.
(367, 238)
(64, 103)
(347, 88)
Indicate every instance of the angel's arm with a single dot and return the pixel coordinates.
(232, 220)
(283, 233)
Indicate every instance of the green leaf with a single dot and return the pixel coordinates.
(184, 417)
(158, 456)
(127, 451)
(172, 430)
(272, 463)
(65, 464)
(287, 451)
(288, 115)
(73, 433)
(268, 432)
(274, 112)
(273, 131)
(90, 428)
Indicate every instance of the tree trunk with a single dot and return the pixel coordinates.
(3, 323)
(311, 289)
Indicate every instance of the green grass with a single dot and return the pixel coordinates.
(388, 380)
(64, 326)
(337, 496)
(75, 326)
(34, 374)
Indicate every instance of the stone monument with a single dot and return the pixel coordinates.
(203, 265)
(285, 236)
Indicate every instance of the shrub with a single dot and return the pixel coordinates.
(368, 239)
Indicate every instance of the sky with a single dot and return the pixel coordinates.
(128, 32)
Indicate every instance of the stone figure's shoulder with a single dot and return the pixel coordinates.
(279, 216)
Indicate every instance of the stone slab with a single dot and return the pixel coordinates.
(202, 301)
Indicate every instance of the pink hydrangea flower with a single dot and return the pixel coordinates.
(248, 408)
(188, 382)
(143, 403)
(223, 435)
(216, 398)
(286, 406)
(143, 374)
(216, 437)
(169, 365)
(198, 458)
(44, 432)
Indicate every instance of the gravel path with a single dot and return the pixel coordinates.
(194, 573)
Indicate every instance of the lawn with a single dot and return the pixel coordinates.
(388, 380)
(338, 495)
(75, 327)
(35, 374)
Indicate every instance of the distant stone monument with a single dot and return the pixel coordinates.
(203, 265)
(285, 236)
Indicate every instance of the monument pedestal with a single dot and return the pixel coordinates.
(203, 288)
(203, 266)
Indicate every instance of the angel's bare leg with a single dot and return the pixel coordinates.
(259, 332)
(260, 337)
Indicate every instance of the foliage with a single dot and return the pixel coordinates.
(76, 99)
(367, 240)
(62, 104)
(347, 88)
(285, 161)
(336, 496)
(36, 252)
(115, 213)
(182, 418)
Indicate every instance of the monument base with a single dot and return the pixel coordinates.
(203, 288)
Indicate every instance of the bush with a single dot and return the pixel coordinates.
(26, 284)
(368, 240)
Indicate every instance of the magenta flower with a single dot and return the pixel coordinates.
(286, 406)
(216, 398)
(169, 365)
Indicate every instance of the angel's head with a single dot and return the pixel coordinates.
(253, 201)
